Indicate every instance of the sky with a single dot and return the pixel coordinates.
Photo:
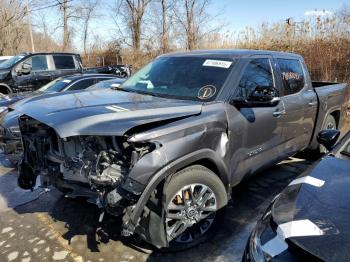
(239, 14)
(236, 15)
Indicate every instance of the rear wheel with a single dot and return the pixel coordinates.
(194, 199)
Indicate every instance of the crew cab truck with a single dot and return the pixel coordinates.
(30, 71)
(164, 149)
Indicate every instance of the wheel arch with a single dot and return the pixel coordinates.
(205, 157)
(6, 88)
(336, 115)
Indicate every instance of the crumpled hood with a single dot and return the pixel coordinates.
(328, 207)
(103, 112)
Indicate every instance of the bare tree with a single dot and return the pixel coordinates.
(132, 13)
(165, 34)
(69, 12)
(192, 17)
(87, 11)
(12, 21)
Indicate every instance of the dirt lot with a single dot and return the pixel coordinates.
(46, 226)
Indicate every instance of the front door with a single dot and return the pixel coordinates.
(39, 73)
(257, 132)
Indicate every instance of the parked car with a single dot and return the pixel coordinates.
(4, 58)
(10, 136)
(165, 148)
(309, 220)
(108, 84)
(30, 71)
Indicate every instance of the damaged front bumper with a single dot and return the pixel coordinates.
(94, 167)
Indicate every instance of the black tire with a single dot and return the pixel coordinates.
(189, 176)
(330, 123)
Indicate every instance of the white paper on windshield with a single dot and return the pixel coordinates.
(66, 81)
(217, 63)
(115, 85)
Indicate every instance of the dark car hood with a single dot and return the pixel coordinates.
(103, 112)
(9, 99)
(328, 207)
(4, 73)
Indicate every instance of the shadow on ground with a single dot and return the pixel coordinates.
(77, 221)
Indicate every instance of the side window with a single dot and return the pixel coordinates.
(36, 63)
(257, 75)
(82, 84)
(292, 75)
(64, 61)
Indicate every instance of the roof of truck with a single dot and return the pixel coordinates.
(232, 53)
(48, 53)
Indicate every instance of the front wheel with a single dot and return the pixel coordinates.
(194, 200)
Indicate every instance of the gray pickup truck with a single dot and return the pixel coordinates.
(165, 148)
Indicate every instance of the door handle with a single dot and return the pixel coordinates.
(279, 113)
(312, 103)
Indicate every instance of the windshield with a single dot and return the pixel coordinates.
(195, 78)
(10, 62)
(55, 86)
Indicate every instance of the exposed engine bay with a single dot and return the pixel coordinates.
(94, 166)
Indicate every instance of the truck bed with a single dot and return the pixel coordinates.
(332, 97)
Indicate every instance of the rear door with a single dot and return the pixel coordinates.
(300, 103)
(65, 64)
(256, 132)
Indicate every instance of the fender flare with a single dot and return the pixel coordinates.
(135, 214)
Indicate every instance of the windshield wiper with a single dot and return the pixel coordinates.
(137, 91)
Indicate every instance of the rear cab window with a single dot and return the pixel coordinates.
(292, 75)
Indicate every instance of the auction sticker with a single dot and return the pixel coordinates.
(217, 63)
(206, 92)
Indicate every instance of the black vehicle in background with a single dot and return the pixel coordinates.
(10, 136)
(309, 220)
(30, 71)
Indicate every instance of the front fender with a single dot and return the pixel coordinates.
(134, 216)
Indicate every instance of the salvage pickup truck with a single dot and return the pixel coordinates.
(165, 148)
(30, 71)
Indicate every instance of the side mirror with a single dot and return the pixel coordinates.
(259, 97)
(241, 102)
(26, 69)
(328, 138)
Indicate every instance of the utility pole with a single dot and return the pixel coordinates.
(30, 27)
